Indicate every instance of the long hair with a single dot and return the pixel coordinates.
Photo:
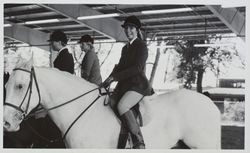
(139, 34)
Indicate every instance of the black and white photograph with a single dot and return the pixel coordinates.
(124, 76)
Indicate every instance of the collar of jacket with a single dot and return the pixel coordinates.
(90, 50)
(130, 42)
(65, 47)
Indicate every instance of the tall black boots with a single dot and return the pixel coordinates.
(123, 137)
(132, 126)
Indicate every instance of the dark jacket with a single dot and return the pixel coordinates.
(6, 78)
(90, 69)
(130, 71)
(64, 61)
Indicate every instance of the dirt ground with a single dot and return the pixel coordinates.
(232, 137)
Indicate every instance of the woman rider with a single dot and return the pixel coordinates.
(132, 82)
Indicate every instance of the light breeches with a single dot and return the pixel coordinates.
(128, 100)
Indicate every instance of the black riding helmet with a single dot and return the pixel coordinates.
(86, 38)
(58, 35)
(132, 20)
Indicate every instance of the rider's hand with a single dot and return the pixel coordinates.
(108, 81)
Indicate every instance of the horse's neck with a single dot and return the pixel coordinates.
(57, 88)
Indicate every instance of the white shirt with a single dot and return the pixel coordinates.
(130, 42)
(62, 49)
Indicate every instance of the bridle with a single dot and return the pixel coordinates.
(37, 110)
(29, 90)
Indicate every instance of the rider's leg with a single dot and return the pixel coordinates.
(130, 121)
(128, 100)
(123, 137)
(113, 104)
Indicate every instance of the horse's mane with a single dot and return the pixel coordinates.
(68, 75)
(24, 64)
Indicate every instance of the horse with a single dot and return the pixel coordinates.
(85, 122)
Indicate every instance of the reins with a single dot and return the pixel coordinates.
(42, 110)
(64, 136)
(37, 110)
(67, 102)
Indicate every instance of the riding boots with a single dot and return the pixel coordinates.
(123, 137)
(132, 126)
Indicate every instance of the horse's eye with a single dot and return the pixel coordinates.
(19, 86)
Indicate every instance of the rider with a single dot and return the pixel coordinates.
(132, 81)
(90, 68)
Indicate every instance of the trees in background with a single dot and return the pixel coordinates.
(194, 61)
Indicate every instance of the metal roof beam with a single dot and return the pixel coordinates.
(183, 25)
(26, 35)
(107, 26)
(64, 27)
(178, 18)
(192, 29)
(20, 8)
(231, 17)
(187, 32)
(31, 15)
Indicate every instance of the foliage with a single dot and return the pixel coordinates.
(190, 62)
(194, 61)
(234, 111)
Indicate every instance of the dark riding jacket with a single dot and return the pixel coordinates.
(64, 61)
(130, 71)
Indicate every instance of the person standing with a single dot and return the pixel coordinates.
(6, 78)
(64, 60)
(132, 84)
(90, 67)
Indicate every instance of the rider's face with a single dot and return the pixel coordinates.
(85, 46)
(130, 31)
(55, 45)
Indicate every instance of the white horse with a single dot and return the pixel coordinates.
(180, 115)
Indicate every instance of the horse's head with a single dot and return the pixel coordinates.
(22, 95)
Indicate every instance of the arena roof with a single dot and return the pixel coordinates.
(159, 21)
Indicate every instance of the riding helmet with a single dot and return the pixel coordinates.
(58, 35)
(86, 38)
(132, 20)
